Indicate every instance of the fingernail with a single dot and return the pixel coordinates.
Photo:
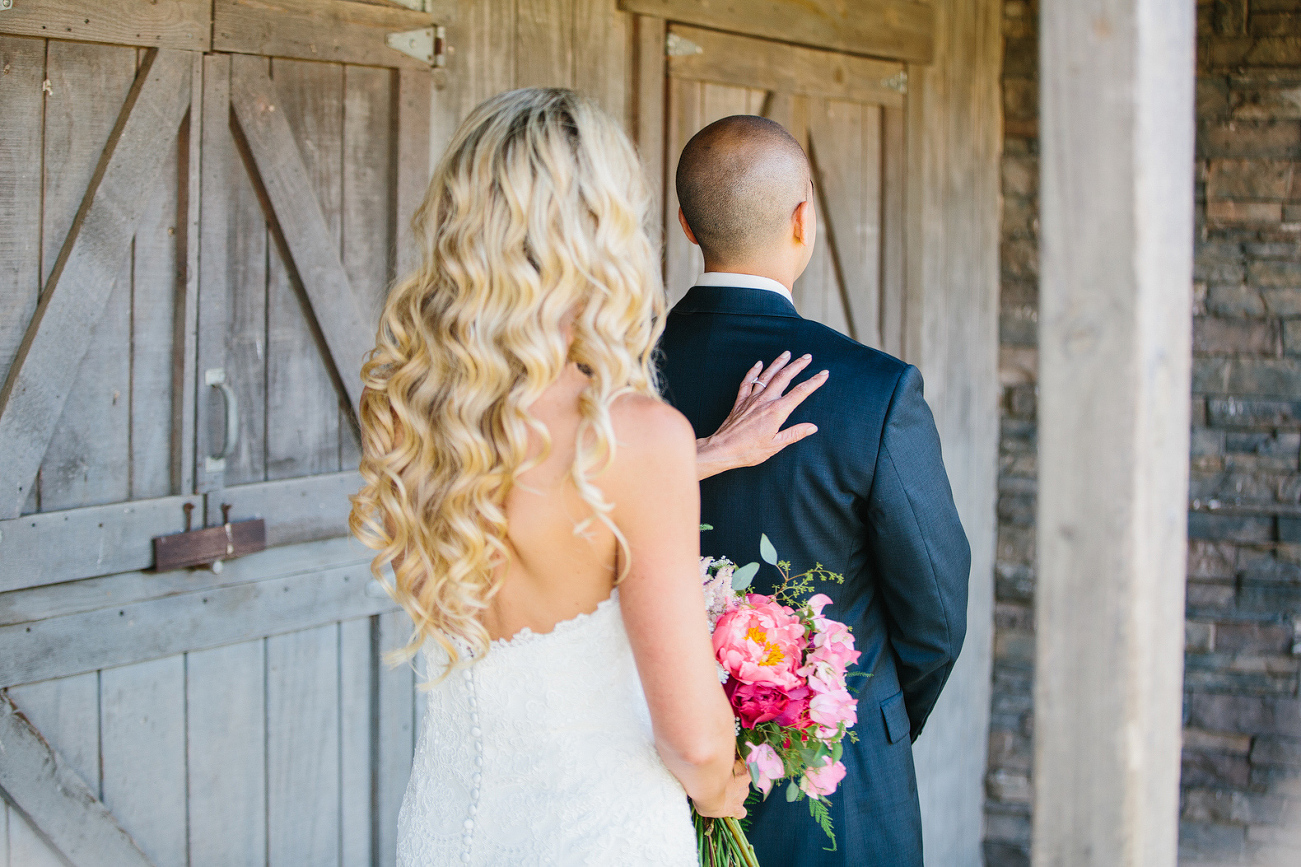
(786, 354)
(825, 373)
(805, 357)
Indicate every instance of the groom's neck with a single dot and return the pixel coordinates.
(783, 273)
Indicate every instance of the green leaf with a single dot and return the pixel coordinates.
(704, 527)
(837, 752)
(766, 550)
(754, 773)
(793, 792)
(742, 577)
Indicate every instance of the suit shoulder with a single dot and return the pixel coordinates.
(846, 350)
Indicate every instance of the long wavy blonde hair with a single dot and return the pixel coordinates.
(533, 225)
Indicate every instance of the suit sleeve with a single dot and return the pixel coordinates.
(920, 552)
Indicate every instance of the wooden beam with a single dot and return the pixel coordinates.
(411, 178)
(346, 330)
(649, 104)
(787, 69)
(212, 617)
(87, 268)
(1116, 122)
(55, 801)
(104, 540)
(894, 29)
(177, 24)
(341, 31)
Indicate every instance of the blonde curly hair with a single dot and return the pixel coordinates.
(534, 223)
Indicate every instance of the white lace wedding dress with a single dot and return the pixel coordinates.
(541, 753)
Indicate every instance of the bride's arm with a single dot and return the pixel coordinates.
(657, 508)
(752, 431)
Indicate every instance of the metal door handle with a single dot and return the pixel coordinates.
(216, 378)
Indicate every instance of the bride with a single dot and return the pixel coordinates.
(538, 505)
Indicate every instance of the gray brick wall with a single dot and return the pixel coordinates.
(1241, 784)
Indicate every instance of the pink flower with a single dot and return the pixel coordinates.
(760, 641)
(766, 765)
(822, 781)
(833, 643)
(817, 602)
(830, 709)
(756, 703)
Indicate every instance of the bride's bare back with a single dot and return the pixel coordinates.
(563, 559)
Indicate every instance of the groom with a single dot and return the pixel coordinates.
(867, 496)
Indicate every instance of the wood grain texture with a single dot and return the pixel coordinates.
(66, 711)
(142, 752)
(82, 279)
(413, 167)
(649, 85)
(185, 333)
(356, 675)
(26, 848)
(488, 52)
(394, 732)
(72, 597)
(682, 260)
(298, 510)
(176, 24)
(302, 415)
(893, 218)
(1116, 217)
(225, 750)
(304, 227)
(727, 59)
(55, 800)
(898, 29)
(302, 744)
(603, 56)
(335, 30)
(20, 190)
(126, 634)
(544, 43)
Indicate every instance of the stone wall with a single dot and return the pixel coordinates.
(1241, 795)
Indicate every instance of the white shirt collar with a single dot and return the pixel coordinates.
(744, 281)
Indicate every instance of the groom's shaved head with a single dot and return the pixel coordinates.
(739, 181)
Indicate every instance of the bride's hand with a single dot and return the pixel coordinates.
(733, 800)
(752, 432)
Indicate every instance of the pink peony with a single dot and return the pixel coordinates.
(760, 641)
(830, 709)
(822, 781)
(756, 703)
(767, 765)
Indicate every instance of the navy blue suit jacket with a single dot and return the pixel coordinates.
(866, 496)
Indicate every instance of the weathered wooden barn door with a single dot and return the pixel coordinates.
(196, 194)
(848, 113)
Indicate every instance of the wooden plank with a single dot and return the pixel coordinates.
(37, 781)
(140, 631)
(101, 540)
(893, 203)
(176, 24)
(650, 104)
(302, 744)
(604, 58)
(302, 414)
(412, 170)
(153, 309)
(142, 750)
(20, 191)
(898, 29)
(185, 337)
(488, 53)
(84, 461)
(304, 228)
(682, 260)
(394, 733)
(96, 540)
(80, 282)
(1117, 230)
(544, 46)
(729, 59)
(334, 30)
(72, 597)
(356, 672)
(232, 293)
(226, 758)
(26, 846)
(66, 712)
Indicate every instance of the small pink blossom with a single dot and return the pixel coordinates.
(833, 643)
(761, 641)
(822, 781)
(767, 766)
(830, 709)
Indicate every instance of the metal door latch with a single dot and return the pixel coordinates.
(428, 44)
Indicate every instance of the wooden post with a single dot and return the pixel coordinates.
(1115, 304)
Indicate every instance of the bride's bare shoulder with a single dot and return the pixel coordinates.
(650, 436)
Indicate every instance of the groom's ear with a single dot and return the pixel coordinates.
(803, 223)
(691, 236)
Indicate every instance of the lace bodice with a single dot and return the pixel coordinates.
(541, 753)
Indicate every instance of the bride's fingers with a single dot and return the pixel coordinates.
(794, 434)
(784, 377)
(747, 385)
(772, 370)
(787, 403)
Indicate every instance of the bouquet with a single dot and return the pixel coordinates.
(783, 665)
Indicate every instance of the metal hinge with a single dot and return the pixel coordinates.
(428, 44)
(680, 46)
(897, 82)
(6, 4)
